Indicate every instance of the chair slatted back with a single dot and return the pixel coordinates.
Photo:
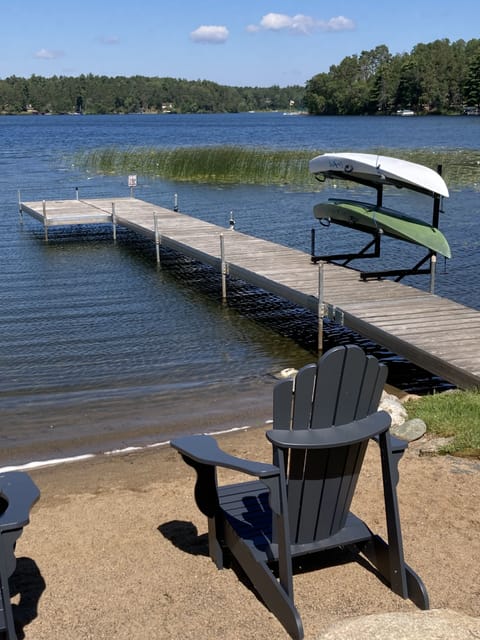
(344, 385)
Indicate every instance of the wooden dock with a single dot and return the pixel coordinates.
(432, 332)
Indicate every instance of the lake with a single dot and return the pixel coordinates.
(101, 350)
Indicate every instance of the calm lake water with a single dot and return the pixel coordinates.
(99, 349)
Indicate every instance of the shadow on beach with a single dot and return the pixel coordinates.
(27, 582)
(184, 535)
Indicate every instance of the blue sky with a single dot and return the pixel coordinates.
(243, 43)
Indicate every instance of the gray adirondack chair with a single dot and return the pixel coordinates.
(18, 494)
(300, 504)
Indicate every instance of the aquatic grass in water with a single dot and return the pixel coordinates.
(222, 164)
(247, 165)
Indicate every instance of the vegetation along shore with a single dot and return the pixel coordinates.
(440, 77)
(251, 165)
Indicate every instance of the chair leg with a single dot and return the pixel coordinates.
(9, 626)
(215, 548)
(417, 592)
(378, 552)
(266, 584)
(389, 558)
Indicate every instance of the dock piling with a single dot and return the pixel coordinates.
(45, 223)
(224, 268)
(433, 266)
(321, 310)
(157, 238)
(20, 210)
(114, 223)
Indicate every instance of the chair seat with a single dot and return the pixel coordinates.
(247, 511)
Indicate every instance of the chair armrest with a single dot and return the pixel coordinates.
(20, 493)
(205, 450)
(336, 436)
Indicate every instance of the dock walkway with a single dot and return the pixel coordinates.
(430, 331)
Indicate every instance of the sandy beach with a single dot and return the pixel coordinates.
(116, 548)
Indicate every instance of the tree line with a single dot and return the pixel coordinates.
(91, 94)
(439, 77)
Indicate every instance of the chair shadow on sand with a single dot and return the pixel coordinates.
(184, 536)
(28, 583)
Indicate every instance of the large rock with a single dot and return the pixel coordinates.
(392, 405)
(437, 624)
(410, 430)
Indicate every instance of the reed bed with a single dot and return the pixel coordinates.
(222, 164)
(247, 165)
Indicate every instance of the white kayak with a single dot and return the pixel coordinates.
(372, 169)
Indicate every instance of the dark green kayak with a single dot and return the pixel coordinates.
(364, 216)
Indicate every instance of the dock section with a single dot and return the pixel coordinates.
(437, 334)
(58, 213)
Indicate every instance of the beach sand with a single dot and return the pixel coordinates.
(116, 548)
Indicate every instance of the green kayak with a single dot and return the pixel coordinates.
(364, 216)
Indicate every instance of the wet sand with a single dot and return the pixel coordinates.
(116, 548)
(100, 424)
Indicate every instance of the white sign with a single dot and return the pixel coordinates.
(132, 181)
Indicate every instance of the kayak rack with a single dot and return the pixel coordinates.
(373, 248)
(343, 259)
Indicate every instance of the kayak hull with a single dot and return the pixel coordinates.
(373, 169)
(366, 217)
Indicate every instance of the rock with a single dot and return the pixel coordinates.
(436, 624)
(410, 430)
(432, 447)
(289, 372)
(392, 405)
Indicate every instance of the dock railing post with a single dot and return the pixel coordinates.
(321, 310)
(20, 210)
(45, 224)
(433, 266)
(157, 237)
(224, 268)
(77, 194)
(114, 223)
(175, 202)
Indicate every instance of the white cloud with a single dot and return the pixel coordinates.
(210, 34)
(339, 23)
(276, 21)
(301, 24)
(48, 54)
